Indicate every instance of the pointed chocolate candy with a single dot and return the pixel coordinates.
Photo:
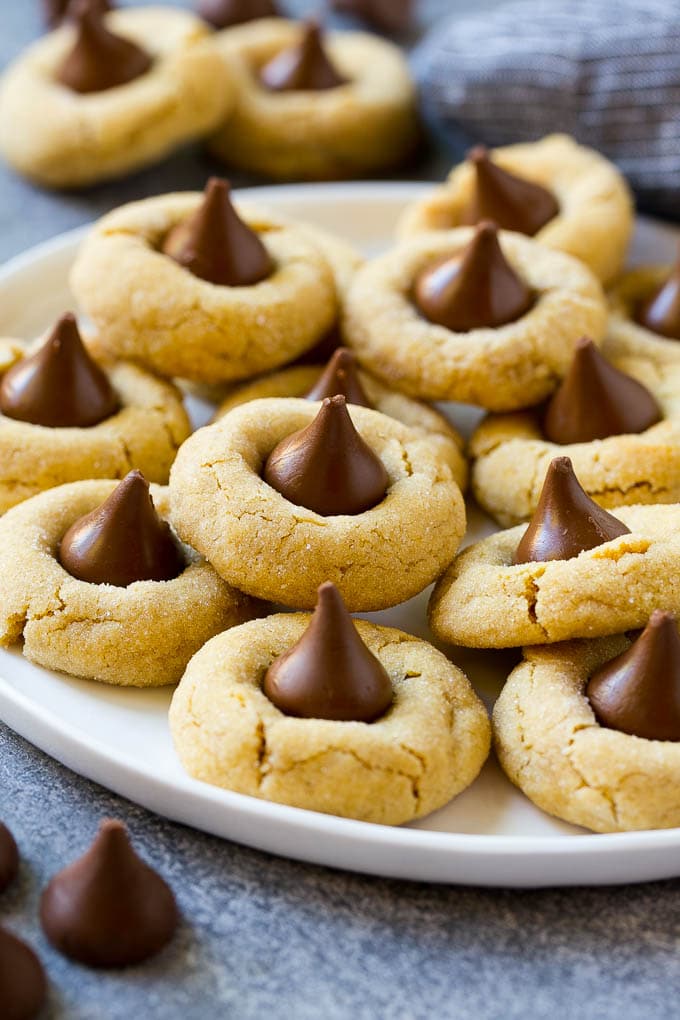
(566, 520)
(109, 908)
(475, 290)
(661, 312)
(392, 16)
(303, 67)
(327, 467)
(216, 245)
(638, 692)
(56, 10)
(9, 859)
(99, 59)
(340, 377)
(123, 540)
(596, 400)
(59, 386)
(511, 202)
(225, 13)
(330, 673)
(23, 986)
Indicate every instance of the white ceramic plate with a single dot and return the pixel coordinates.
(491, 835)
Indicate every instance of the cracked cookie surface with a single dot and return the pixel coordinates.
(62, 138)
(510, 456)
(148, 307)
(297, 380)
(486, 601)
(429, 745)
(263, 544)
(595, 222)
(551, 746)
(145, 433)
(139, 636)
(365, 125)
(501, 369)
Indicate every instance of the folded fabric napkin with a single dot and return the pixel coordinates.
(606, 72)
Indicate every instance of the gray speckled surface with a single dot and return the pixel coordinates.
(267, 937)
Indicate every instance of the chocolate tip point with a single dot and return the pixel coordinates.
(339, 400)
(662, 618)
(487, 228)
(478, 154)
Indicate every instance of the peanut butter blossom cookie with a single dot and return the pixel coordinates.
(619, 422)
(472, 314)
(566, 196)
(312, 107)
(330, 714)
(575, 571)
(645, 313)
(283, 494)
(106, 94)
(64, 417)
(342, 376)
(590, 730)
(192, 287)
(98, 586)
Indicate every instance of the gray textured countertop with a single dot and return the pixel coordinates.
(268, 937)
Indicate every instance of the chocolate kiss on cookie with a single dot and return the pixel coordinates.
(596, 400)
(511, 202)
(340, 377)
(385, 15)
(9, 859)
(59, 386)
(304, 67)
(329, 673)
(224, 13)
(327, 467)
(638, 692)
(566, 520)
(109, 908)
(99, 59)
(477, 289)
(661, 312)
(23, 986)
(216, 245)
(123, 540)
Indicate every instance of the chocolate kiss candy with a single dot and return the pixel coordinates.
(303, 67)
(340, 377)
(224, 13)
(596, 400)
(566, 520)
(661, 312)
(109, 908)
(327, 467)
(59, 386)
(638, 692)
(216, 245)
(475, 290)
(329, 673)
(386, 15)
(99, 59)
(123, 540)
(55, 10)
(511, 202)
(9, 859)
(23, 986)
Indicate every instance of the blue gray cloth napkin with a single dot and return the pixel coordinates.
(605, 71)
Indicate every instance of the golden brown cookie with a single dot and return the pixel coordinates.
(62, 138)
(510, 454)
(139, 636)
(551, 746)
(500, 368)
(360, 127)
(595, 219)
(280, 551)
(485, 601)
(150, 308)
(298, 380)
(423, 751)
